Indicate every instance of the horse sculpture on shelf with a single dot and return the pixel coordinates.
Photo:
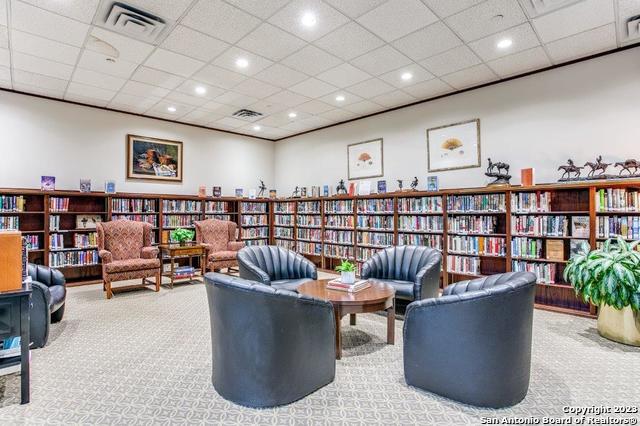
(598, 165)
(628, 165)
(569, 168)
(499, 171)
(497, 166)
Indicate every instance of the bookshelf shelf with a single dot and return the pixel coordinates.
(537, 259)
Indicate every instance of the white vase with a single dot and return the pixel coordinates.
(348, 277)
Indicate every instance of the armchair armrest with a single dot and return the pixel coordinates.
(149, 252)
(106, 256)
(207, 247)
(253, 273)
(45, 275)
(235, 245)
(428, 279)
(367, 270)
(40, 320)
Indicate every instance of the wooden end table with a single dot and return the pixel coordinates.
(176, 251)
(378, 297)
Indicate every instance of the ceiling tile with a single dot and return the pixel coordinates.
(128, 49)
(349, 41)
(280, 76)
(3, 12)
(468, 77)
(5, 74)
(267, 108)
(81, 10)
(393, 99)
(428, 89)
(418, 74)
(427, 42)
(90, 92)
(219, 77)
(228, 60)
(141, 102)
(143, 89)
(271, 42)
(275, 120)
(188, 87)
(449, 7)
(161, 109)
(289, 17)
(480, 20)
(220, 20)
(349, 98)
(39, 80)
(44, 91)
(157, 78)
(96, 79)
(314, 107)
(261, 9)
(397, 18)
(381, 60)
(370, 88)
(364, 107)
(256, 88)
(4, 37)
(194, 44)
(355, 8)
(313, 88)
(574, 19)
(98, 62)
(170, 9)
(186, 99)
(5, 58)
(236, 99)
(42, 66)
(311, 60)
(287, 98)
(583, 44)
(85, 100)
(337, 115)
(521, 62)
(344, 75)
(219, 108)
(231, 122)
(522, 37)
(174, 63)
(201, 116)
(44, 48)
(450, 61)
(38, 21)
(117, 106)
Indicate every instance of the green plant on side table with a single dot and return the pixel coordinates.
(182, 235)
(347, 272)
(610, 279)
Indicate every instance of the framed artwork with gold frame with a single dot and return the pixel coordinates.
(365, 159)
(154, 159)
(454, 146)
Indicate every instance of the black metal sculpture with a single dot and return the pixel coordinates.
(569, 168)
(296, 192)
(399, 184)
(598, 165)
(414, 184)
(262, 188)
(499, 171)
(341, 189)
(628, 165)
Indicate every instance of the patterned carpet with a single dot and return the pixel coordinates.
(145, 358)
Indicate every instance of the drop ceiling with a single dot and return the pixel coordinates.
(301, 64)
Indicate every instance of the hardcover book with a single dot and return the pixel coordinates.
(202, 191)
(303, 191)
(352, 189)
(273, 193)
(239, 192)
(432, 183)
(527, 177)
(364, 188)
(382, 186)
(580, 226)
(217, 191)
(252, 193)
(85, 185)
(48, 183)
(325, 190)
(555, 249)
(110, 187)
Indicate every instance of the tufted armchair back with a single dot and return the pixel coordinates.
(400, 262)
(124, 238)
(216, 233)
(271, 263)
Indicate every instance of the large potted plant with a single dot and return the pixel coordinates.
(610, 279)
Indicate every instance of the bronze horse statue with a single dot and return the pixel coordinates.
(598, 165)
(628, 165)
(569, 168)
(498, 166)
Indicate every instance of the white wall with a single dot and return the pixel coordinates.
(70, 142)
(577, 111)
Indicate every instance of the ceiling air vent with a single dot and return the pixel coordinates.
(541, 7)
(246, 114)
(132, 22)
(633, 27)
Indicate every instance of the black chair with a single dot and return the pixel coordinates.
(270, 347)
(275, 266)
(473, 344)
(414, 271)
(47, 301)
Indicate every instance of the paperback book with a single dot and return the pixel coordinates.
(110, 187)
(239, 192)
(325, 190)
(382, 186)
(432, 183)
(336, 284)
(217, 191)
(85, 185)
(48, 183)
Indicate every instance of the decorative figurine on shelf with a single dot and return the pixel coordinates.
(569, 168)
(628, 165)
(399, 184)
(262, 189)
(499, 171)
(414, 183)
(598, 165)
(296, 192)
(341, 189)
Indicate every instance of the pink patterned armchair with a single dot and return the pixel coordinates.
(126, 252)
(219, 239)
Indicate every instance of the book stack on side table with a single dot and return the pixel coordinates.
(183, 272)
(351, 288)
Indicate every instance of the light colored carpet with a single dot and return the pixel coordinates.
(145, 358)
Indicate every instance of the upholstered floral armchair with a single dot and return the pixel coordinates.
(126, 252)
(219, 239)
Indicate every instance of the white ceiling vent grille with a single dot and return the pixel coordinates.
(541, 7)
(633, 27)
(247, 114)
(132, 22)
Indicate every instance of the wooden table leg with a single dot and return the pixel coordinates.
(391, 323)
(338, 317)
(352, 319)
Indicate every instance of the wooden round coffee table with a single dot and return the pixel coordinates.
(378, 297)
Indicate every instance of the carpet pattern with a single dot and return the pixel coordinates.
(145, 358)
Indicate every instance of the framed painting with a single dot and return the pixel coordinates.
(365, 160)
(454, 146)
(154, 159)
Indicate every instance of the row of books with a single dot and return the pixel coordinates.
(309, 207)
(89, 239)
(288, 244)
(56, 241)
(364, 253)
(309, 234)
(526, 247)
(256, 242)
(217, 207)
(375, 222)
(218, 216)
(181, 206)
(420, 205)
(531, 202)
(173, 221)
(54, 223)
(463, 264)
(338, 251)
(339, 221)
(255, 232)
(375, 238)
(476, 203)
(545, 272)
(617, 199)
(133, 205)
(376, 205)
(285, 207)
(338, 206)
(253, 207)
(32, 241)
(59, 204)
(9, 222)
(420, 223)
(12, 203)
(493, 246)
(283, 219)
(148, 218)
(73, 258)
(624, 226)
(182, 272)
(344, 237)
(254, 220)
(309, 220)
(283, 232)
(306, 247)
(550, 226)
(473, 224)
(428, 240)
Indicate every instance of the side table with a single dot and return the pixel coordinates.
(172, 252)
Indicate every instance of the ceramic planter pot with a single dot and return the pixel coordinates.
(348, 277)
(622, 326)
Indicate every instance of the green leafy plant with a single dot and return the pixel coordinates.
(182, 235)
(610, 275)
(346, 266)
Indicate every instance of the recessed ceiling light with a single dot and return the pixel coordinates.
(308, 19)
(171, 109)
(292, 115)
(504, 43)
(340, 98)
(242, 63)
(200, 90)
(257, 128)
(406, 76)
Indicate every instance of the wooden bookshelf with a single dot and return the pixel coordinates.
(254, 221)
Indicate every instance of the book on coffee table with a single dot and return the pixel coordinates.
(336, 284)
